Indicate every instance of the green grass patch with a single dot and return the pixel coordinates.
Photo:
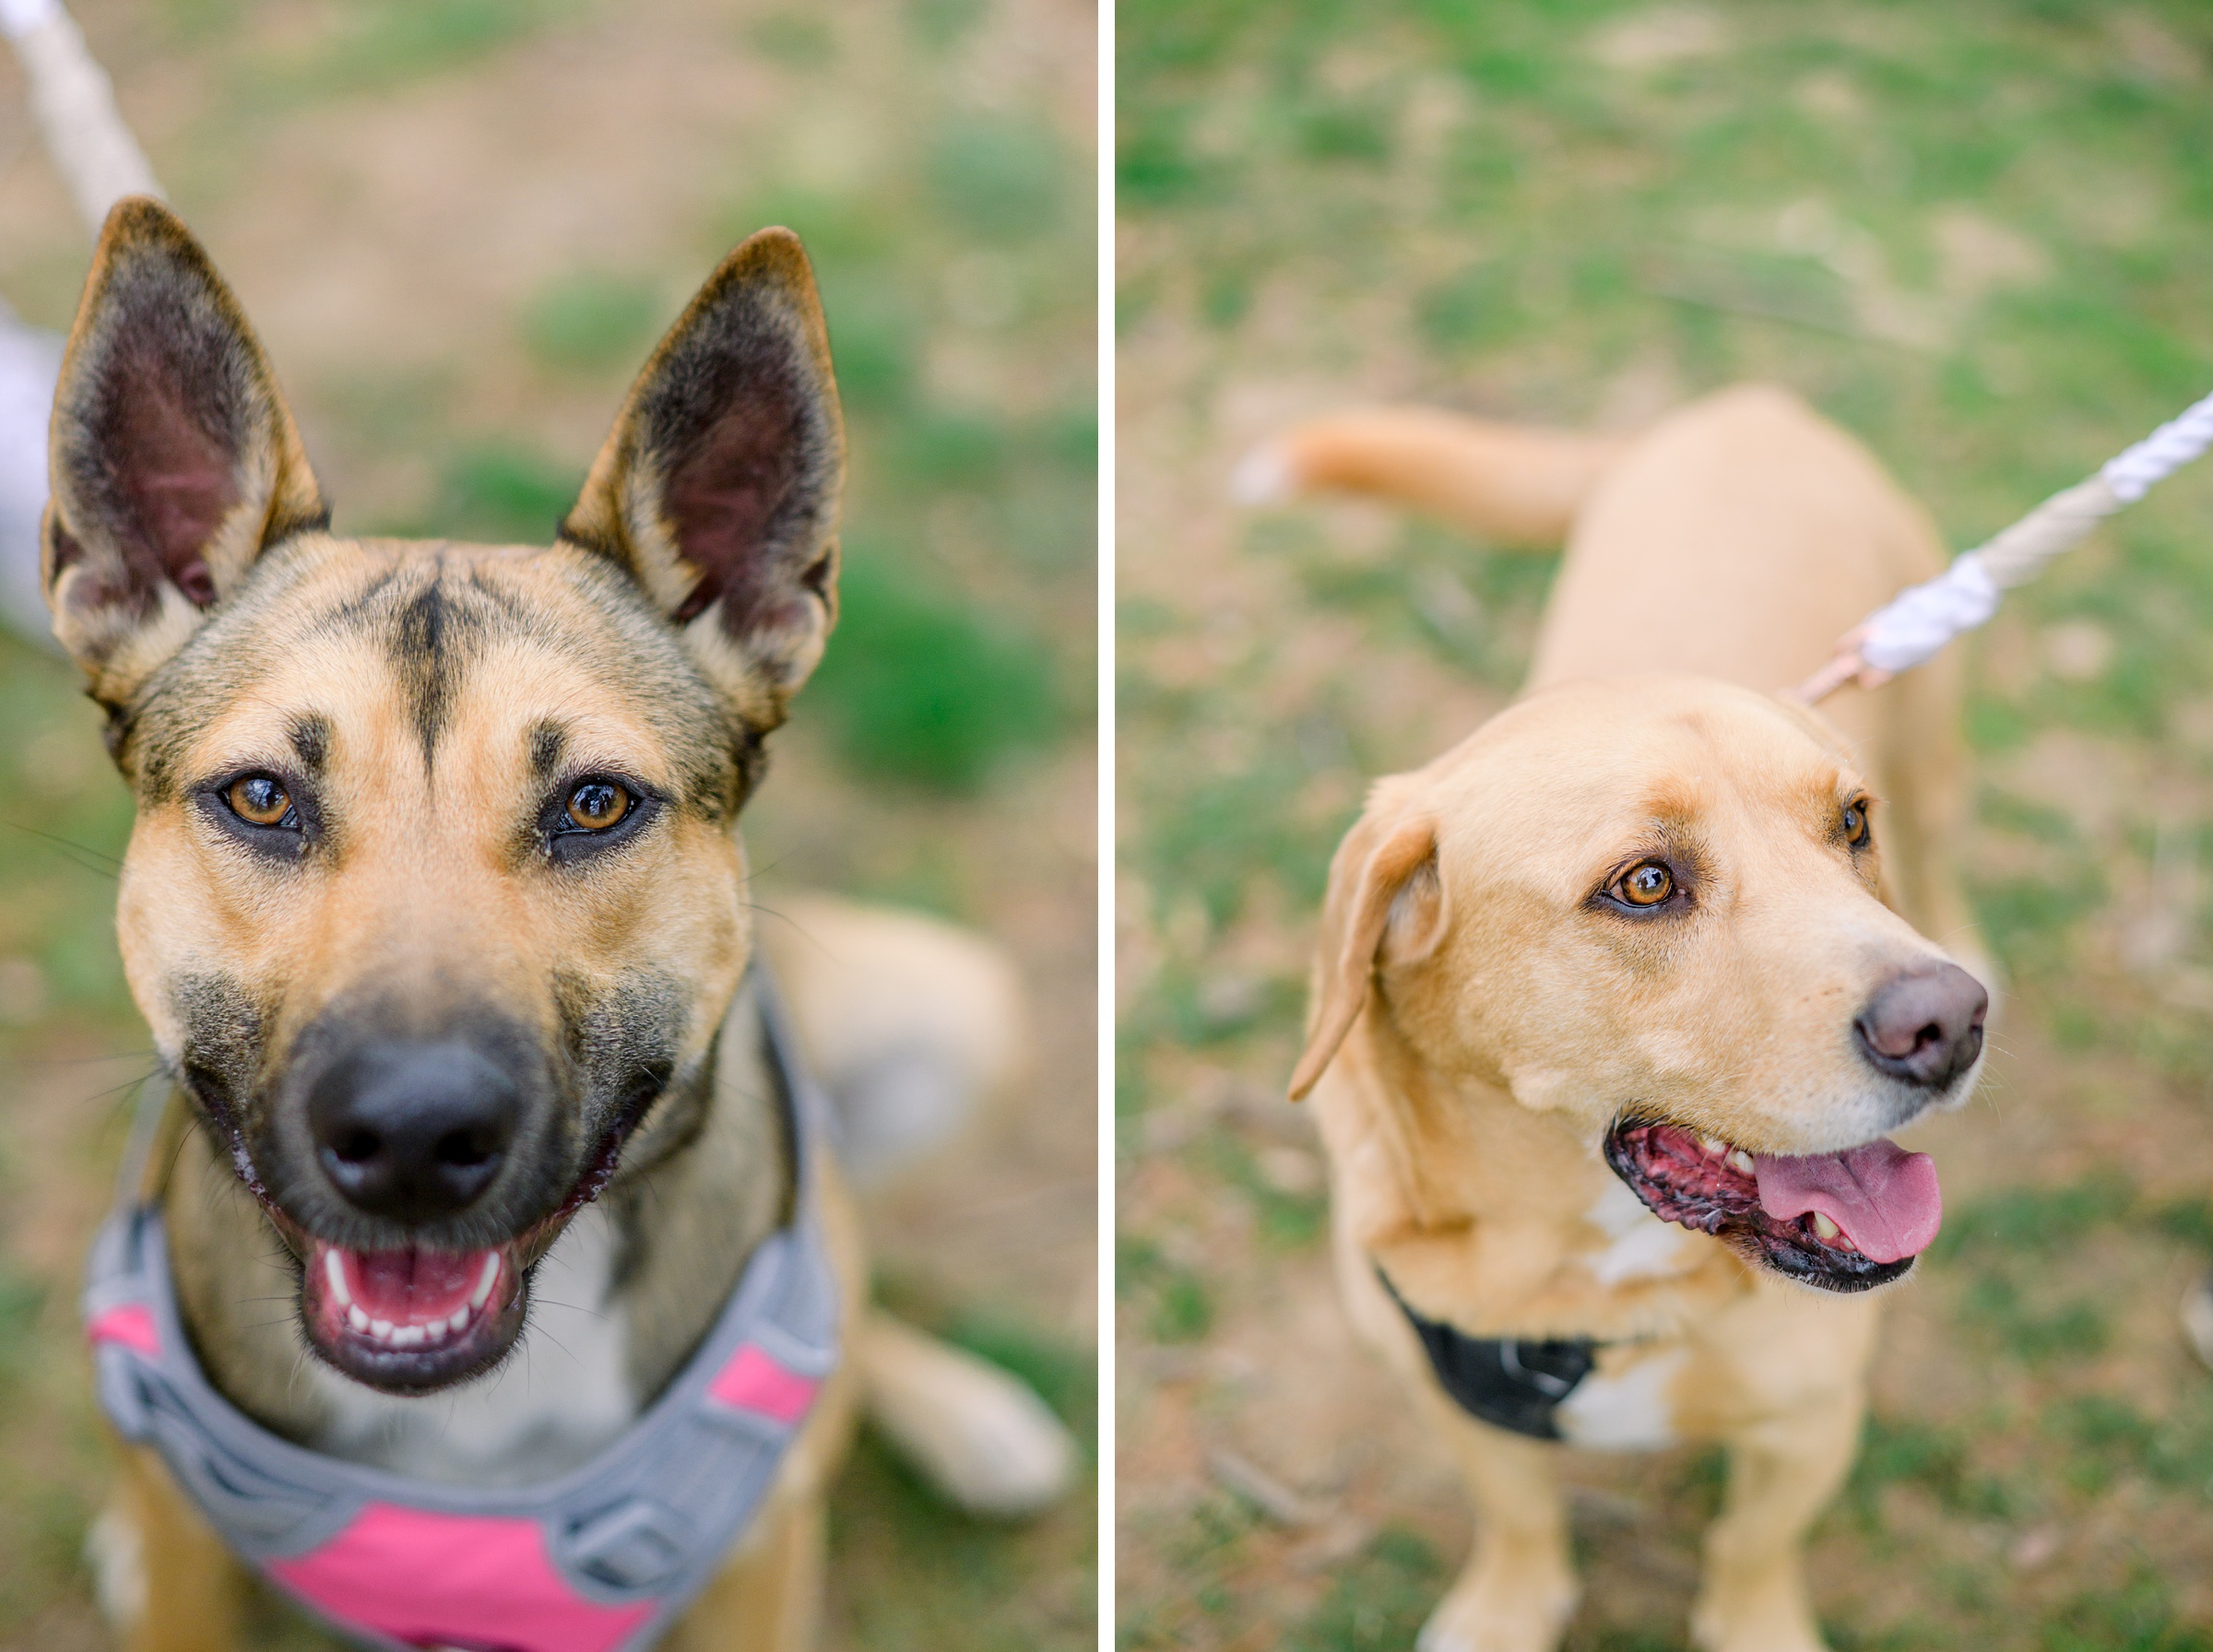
(591, 320)
(2037, 1221)
(1227, 829)
(21, 1300)
(1286, 1221)
(1907, 1451)
(2029, 919)
(796, 40)
(2137, 1617)
(1178, 1307)
(373, 45)
(2029, 1326)
(1379, 1598)
(2106, 1434)
(1002, 177)
(501, 492)
(922, 685)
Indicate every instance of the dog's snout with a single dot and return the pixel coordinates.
(1925, 1026)
(413, 1132)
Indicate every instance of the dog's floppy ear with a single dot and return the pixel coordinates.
(1385, 906)
(174, 462)
(717, 488)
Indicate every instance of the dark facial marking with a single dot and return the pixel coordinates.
(423, 653)
(311, 740)
(547, 742)
(622, 1037)
(220, 1050)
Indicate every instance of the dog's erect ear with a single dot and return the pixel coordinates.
(717, 488)
(1385, 906)
(174, 462)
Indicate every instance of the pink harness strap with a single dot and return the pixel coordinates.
(604, 1558)
(130, 1324)
(474, 1581)
(753, 1382)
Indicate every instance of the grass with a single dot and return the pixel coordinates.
(922, 688)
(1378, 1599)
(590, 321)
(1970, 236)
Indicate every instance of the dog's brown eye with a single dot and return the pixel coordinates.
(259, 800)
(1646, 885)
(1856, 832)
(598, 803)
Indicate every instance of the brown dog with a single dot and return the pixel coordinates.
(435, 907)
(1649, 948)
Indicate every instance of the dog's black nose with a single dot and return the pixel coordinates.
(413, 1131)
(1924, 1027)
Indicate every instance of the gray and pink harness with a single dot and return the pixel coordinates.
(602, 1559)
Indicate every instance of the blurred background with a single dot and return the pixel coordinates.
(458, 228)
(1979, 235)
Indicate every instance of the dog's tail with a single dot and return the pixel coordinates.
(1509, 484)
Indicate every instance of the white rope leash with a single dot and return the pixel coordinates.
(1921, 618)
(74, 102)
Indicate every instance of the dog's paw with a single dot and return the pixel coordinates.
(117, 1559)
(972, 1430)
(1777, 1625)
(1487, 1615)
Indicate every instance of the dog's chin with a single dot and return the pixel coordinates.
(414, 1320)
(1707, 1186)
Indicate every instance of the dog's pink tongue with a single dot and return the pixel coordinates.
(1884, 1198)
(408, 1286)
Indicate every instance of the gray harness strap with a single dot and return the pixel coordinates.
(627, 1539)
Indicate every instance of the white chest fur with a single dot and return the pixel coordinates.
(1639, 1245)
(1624, 1406)
(562, 1394)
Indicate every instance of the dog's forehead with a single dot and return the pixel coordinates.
(350, 652)
(1592, 768)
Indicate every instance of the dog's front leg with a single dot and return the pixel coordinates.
(768, 1597)
(1781, 1472)
(165, 1581)
(1518, 1587)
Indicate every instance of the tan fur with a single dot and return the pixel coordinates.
(193, 1590)
(1511, 484)
(1477, 1025)
(428, 706)
(874, 989)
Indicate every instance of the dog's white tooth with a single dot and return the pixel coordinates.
(1741, 1161)
(381, 1329)
(1824, 1226)
(355, 1317)
(408, 1336)
(459, 1319)
(1713, 1146)
(491, 1278)
(435, 1330)
(334, 1272)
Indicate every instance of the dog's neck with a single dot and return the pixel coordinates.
(618, 1303)
(1492, 1216)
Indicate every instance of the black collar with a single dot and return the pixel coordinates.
(1508, 1383)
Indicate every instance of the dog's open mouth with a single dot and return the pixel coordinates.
(1842, 1221)
(413, 1318)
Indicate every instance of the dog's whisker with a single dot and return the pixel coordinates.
(131, 1083)
(108, 866)
(85, 1060)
